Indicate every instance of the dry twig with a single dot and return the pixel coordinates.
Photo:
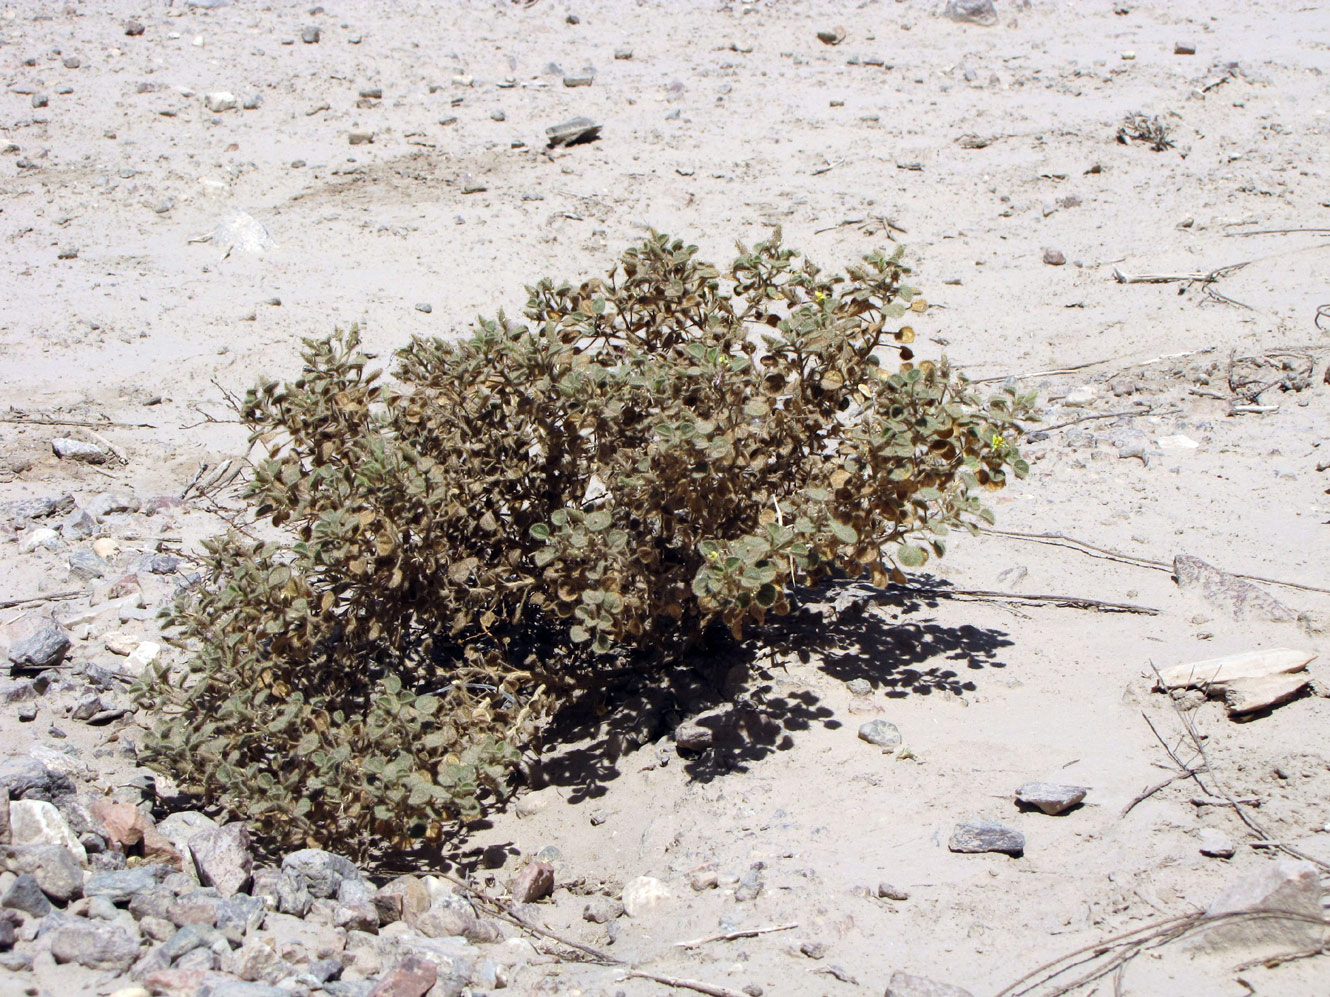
(729, 936)
(53, 597)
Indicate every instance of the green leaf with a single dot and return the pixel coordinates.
(911, 557)
(598, 520)
(540, 531)
(843, 532)
(392, 683)
(579, 634)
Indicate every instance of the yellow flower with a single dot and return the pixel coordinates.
(998, 442)
(820, 295)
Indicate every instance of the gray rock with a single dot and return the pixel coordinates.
(859, 687)
(223, 858)
(20, 512)
(320, 872)
(1050, 798)
(987, 836)
(311, 35)
(241, 914)
(889, 892)
(693, 736)
(104, 504)
(220, 101)
(26, 778)
(601, 910)
(972, 12)
(25, 895)
(6, 836)
(56, 869)
(282, 893)
(190, 937)
(905, 985)
(121, 885)
(77, 525)
(94, 944)
(574, 131)
(1216, 844)
(582, 78)
(424, 306)
(87, 565)
(133, 29)
(750, 886)
(881, 733)
(45, 647)
(7, 937)
(155, 903)
(252, 102)
(1054, 257)
(101, 909)
(68, 449)
(1289, 885)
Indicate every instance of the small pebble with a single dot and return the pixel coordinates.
(424, 306)
(889, 892)
(40, 100)
(881, 733)
(1054, 257)
(311, 35)
(73, 62)
(1184, 48)
(133, 29)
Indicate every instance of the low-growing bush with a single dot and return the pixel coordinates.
(463, 546)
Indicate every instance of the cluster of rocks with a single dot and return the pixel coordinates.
(181, 907)
(77, 651)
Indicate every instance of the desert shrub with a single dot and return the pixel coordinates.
(458, 549)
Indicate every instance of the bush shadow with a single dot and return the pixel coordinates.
(725, 708)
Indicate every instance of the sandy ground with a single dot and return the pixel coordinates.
(729, 118)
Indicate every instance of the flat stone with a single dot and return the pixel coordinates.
(94, 944)
(220, 101)
(601, 910)
(1237, 597)
(1246, 696)
(905, 985)
(1054, 257)
(320, 872)
(1290, 885)
(574, 131)
(881, 733)
(282, 893)
(1050, 798)
(535, 882)
(987, 836)
(69, 449)
(120, 885)
(442, 921)
(642, 894)
(44, 646)
(409, 977)
(222, 857)
(56, 869)
(1216, 844)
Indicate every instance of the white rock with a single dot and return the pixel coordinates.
(1178, 442)
(220, 101)
(242, 232)
(120, 643)
(105, 548)
(36, 822)
(42, 537)
(142, 656)
(642, 894)
(1217, 672)
(1081, 396)
(67, 449)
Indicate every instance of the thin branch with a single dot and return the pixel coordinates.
(1106, 415)
(53, 597)
(1016, 598)
(1090, 550)
(1044, 373)
(675, 981)
(1145, 794)
(729, 936)
(1276, 231)
(23, 420)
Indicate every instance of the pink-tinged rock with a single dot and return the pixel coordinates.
(409, 977)
(223, 859)
(535, 882)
